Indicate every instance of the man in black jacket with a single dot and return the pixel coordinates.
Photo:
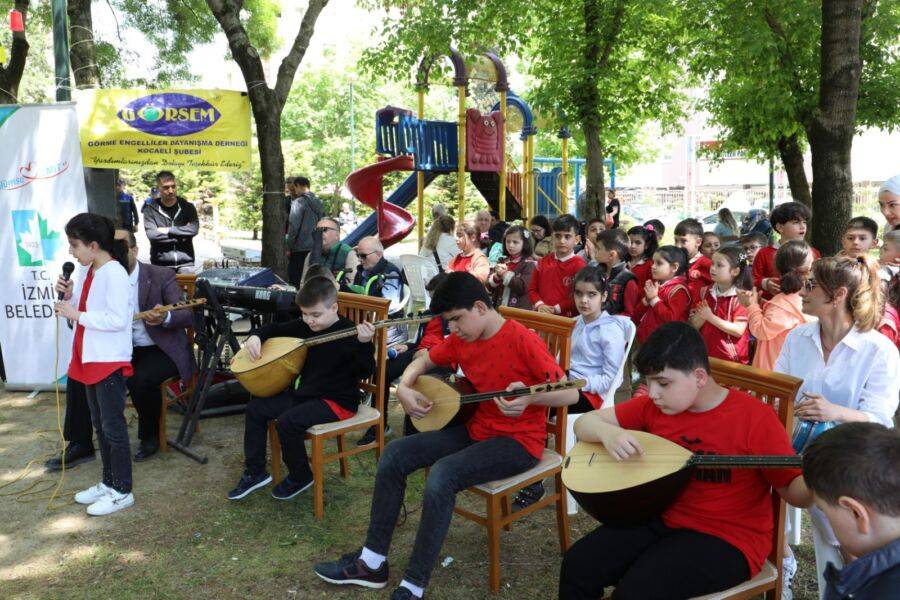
(171, 223)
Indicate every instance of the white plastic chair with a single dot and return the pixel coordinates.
(609, 398)
(419, 270)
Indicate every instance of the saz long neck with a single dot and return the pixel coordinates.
(535, 389)
(709, 461)
(350, 332)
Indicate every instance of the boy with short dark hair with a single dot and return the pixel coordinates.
(502, 439)
(718, 531)
(552, 282)
(623, 292)
(689, 236)
(328, 390)
(860, 235)
(752, 243)
(789, 220)
(854, 473)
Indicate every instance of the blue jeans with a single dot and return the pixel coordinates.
(458, 462)
(106, 401)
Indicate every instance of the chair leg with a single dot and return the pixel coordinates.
(562, 515)
(379, 440)
(493, 531)
(507, 510)
(275, 447)
(345, 472)
(318, 469)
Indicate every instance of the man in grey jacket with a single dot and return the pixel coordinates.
(306, 210)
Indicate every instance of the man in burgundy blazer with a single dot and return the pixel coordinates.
(161, 351)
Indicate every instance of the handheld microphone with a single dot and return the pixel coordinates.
(67, 269)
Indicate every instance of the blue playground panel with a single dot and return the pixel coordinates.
(547, 183)
(578, 163)
(433, 144)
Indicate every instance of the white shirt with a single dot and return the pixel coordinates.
(139, 335)
(862, 373)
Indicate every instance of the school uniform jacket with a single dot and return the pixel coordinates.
(674, 303)
(718, 343)
(553, 282)
(764, 267)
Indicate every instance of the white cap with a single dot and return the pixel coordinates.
(892, 185)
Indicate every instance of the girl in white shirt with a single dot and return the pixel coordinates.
(849, 370)
(440, 242)
(100, 305)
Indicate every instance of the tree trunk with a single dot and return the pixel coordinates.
(792, 159)
(831, 131)
(11, 75)
(267, 104)
(82, 51)
(591, 203)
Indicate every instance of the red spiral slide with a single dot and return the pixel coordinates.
(366, 185)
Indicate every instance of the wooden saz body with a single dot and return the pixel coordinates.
(445, 393)
(280, 362)
(632, 491)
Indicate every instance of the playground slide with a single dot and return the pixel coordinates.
(365, 185)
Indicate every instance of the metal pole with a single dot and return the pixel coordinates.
(461, 154)
(502, 186)
(352, 132)
(420, 177)
(771, 184)
(61, 51)
(564, 192)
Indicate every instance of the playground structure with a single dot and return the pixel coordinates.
(474, 143)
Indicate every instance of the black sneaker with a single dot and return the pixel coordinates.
(288, 488)
(369, 436)
(146, 449)
(528, 496)
(75, 455)
(350, 569)
(249, 483)
(402, 593)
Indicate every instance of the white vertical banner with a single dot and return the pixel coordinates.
(41, 188)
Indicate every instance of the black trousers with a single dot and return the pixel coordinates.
(292, 418)
(77, 427)
(106, 401)
(151, 367)
(650, 561)
(295, 267)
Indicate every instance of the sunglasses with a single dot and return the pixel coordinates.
(324, 229)
(362, 256)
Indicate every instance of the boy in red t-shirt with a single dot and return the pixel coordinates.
(689, 235)
(502, 439)
(552, 282)
(789, 220)
(718, 532)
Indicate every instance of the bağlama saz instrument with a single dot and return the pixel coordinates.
(456, 399)
(631, 491)
(169, 308)
(282, 358)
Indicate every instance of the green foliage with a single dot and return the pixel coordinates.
(760, 61)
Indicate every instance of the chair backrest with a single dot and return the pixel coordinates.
(778, 391)
(630, 330)
(359, 308)
(556, 331)
(419, 270)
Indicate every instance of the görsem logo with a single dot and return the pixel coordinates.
(169, 114)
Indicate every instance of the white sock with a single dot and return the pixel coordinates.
(417, 591)
(373, 560)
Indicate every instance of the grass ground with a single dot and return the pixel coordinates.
(184, 539)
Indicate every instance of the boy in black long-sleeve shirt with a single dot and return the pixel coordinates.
(328, 389)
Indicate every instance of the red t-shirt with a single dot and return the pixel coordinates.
(718, 343)
(514, 353)
(92, 372)
(433, 334)
(764, 268)
(731, 504)
(698, 275)
(460, 263)
(553, 283)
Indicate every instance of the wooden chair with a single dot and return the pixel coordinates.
(778, 391)
(357, 308)
(167, 389)
(556, 332)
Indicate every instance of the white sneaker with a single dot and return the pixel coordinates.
(92, 494)
(788, 570)
(112, 502)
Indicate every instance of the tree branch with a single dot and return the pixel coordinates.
(785, 57)
(291, 62)
(245, 55)
(614, 29)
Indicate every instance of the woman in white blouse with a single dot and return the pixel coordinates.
(849, 370)
(440, 241)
